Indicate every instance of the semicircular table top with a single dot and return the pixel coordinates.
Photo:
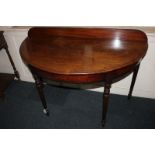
(83, 50)
(83, 55)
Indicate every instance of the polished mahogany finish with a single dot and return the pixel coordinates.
(84, 55)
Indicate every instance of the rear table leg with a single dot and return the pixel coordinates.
(133, 81)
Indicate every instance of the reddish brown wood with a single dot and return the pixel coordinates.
(83, 55)
(75, 55)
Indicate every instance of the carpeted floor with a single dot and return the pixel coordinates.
(72, 109)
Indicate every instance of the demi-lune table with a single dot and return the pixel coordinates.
(82, 55)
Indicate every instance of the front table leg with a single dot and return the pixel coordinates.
(39, 86)
(105, 102)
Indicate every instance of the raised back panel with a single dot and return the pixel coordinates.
(87, 32)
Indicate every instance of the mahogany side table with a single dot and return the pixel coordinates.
(83, 55)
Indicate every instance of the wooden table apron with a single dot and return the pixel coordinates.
(83, 55)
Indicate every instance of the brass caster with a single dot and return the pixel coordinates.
(46, 112)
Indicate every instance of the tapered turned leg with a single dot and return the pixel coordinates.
(39, 86)
(105, 102)
(133, 81)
